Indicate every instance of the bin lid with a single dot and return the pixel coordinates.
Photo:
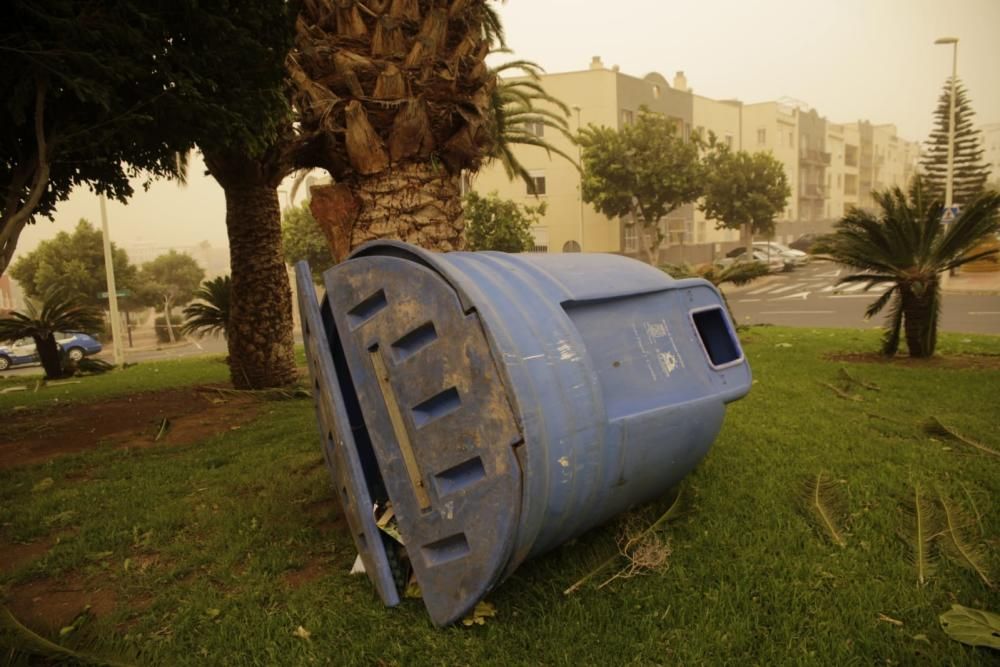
(440, 420)
(339, 445)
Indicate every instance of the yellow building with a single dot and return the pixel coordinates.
(830, 167)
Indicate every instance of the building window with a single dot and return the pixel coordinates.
(571, 246)
(839, 179)
(791, 140)
(851, 156)
(656, 92)
(761, 136)
(729, 141)
(537, 185)
(539, 248)
(627, 117)
(631, 237)
(536, 128)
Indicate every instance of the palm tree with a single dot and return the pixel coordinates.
(395, 101)
(737, 273)
(519, 109)
(907, 245)
(58, 311)
(210, 314)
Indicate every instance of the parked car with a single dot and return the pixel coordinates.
(75, 346)
(796, 257)
(774, 261)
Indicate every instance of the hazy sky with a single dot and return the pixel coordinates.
(849, 59)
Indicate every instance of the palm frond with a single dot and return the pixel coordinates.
(925, 527)
(209, 315)
(933, 426)
(967, 551)
(824, 503)
(876, 306)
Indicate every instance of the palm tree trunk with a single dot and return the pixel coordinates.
(920, 319)
(260, 321)
(413, 202)
(49, 356)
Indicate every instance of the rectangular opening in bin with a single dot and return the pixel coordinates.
(436, 406)
(445, 550)
(367, 309)
(716, 336)
(413, 342)
(459, 477)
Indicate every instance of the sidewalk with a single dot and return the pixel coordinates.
(980, 283)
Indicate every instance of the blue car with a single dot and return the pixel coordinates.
(75, 346)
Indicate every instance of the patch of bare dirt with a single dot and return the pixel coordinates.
(51, 604)
(950, 362)
(13, 556)
(194, 414)
(312, 571)
(325, 515)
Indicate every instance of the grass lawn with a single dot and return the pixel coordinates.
(217, 551)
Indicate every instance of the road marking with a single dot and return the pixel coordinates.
(829, 274)
(797, 312)
(761, 290)
(789, 287)
(797, 295)
(852, 296)
(984, 312)
(749, 300)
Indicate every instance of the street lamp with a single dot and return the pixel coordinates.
(579, 160)
(949, 184)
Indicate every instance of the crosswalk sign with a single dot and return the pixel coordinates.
(950, 214)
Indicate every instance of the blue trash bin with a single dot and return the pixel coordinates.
(505, 403)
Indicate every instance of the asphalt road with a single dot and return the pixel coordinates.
(809, 297)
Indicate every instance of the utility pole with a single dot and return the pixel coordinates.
(109, 269)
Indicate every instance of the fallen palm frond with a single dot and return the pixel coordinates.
(925, 529)
(967, 551)
(273, 394)
(672, 513)
(841, 393)
(975, 508)
(933, 426)
(19, 640)
(851, 380)
(826, 505)
(161, 431)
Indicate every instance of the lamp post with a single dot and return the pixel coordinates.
(579, 160)
(949, 187)
(109, 268)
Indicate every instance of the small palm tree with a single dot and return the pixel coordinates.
(58, 311)
(737, 273)
(209, 315)
(907, 245)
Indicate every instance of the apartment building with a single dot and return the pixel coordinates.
(991, 151)
(830, 167)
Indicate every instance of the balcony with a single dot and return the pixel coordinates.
(811, 155)
(813, 191)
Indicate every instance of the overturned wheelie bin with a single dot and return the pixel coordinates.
(478, 409)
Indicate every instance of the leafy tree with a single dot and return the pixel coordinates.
(58, 311)
(499, 224)
(302, 239)
(150, 80)
(395, 100)
(74, 263)
(908, 246)
(743, 190)
(209, 315)
(169, 280)
(970, 171)
(83, 88)
(643, 171)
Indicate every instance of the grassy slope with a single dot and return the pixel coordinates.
(750, 579)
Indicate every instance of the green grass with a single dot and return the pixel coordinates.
(751, 580)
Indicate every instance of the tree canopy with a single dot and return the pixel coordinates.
(743, 190)
(302, 239)
(170, 280)
(492, 223)
(73, 262)
(642, 172)
(89, 91)
(970, 171)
